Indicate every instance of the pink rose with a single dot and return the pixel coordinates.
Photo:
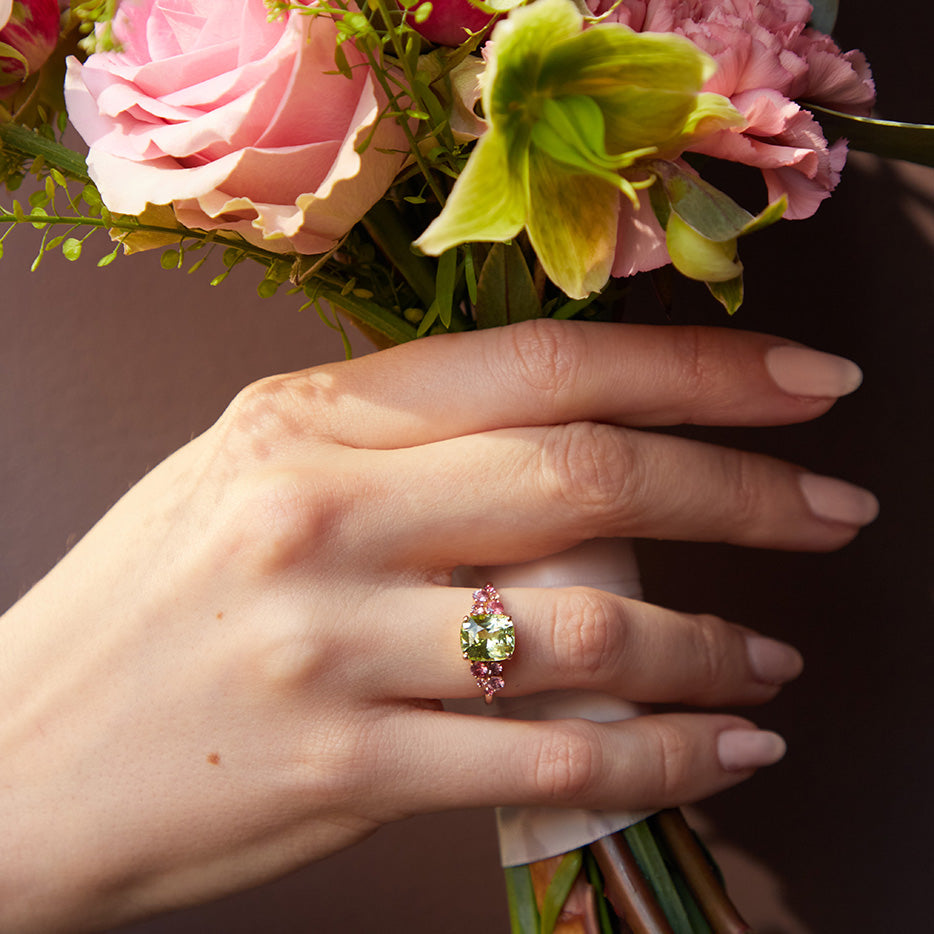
(28, 35)
(239, 123)
(767, 57)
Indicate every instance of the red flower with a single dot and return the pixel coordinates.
(28, 34)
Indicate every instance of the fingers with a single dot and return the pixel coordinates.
(647, 762)
(584, 638)
(514, 495)
(547, 372)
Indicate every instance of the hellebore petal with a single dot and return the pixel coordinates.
(572, 225)
(698, 257)
(489, 201)
(575, 115)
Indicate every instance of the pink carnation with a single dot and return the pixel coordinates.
(239, 123)
(767, 59)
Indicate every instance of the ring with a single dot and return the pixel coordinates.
(488, 637)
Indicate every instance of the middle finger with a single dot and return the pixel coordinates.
(517, 494)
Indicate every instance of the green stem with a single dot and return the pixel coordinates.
(30, 143)
(126, 224)
(378, 71)
(627, 888)
(699, 874)
(523, 910)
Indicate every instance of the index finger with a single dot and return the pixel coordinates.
(551, 372)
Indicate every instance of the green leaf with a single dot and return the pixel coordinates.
(71, 249)
(642, 843)
(431, 316)
(571, 308)
(729, 293)
(523, 911)
(340, 60)
(372, 316)
(767, 216)
(109, 258)
(505, 291)
(595, 878)
(470, 274)
(704, 208)
(267, 288)
(913, 142)
(558, 889)
(444, 285)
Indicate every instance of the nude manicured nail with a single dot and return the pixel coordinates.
(749, 749)
(773, 662)
(801, 371)
(838, 501)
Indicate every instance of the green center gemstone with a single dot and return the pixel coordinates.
(487, 637)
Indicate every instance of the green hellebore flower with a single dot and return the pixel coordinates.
(575, 116)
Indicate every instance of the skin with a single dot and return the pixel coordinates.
(210, 689)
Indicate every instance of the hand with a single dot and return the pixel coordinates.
(236, 671)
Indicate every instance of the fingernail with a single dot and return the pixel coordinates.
(801, 371)
(741, 749)
(773, 662)
(838, 501)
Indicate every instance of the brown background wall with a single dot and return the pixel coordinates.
(104, 372)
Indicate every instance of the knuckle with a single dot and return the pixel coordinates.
(672, 756)
(283, 519)
(700, 364)
(710, 650)
(338, 768)
(567, 761)
(547, 355)
(258, 416)
(265, 415)
(589, 637)
(748, 492)
(589, 466)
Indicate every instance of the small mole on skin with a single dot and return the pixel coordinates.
(220, 615)
(214, 758)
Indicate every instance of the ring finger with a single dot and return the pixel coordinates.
(585, 638)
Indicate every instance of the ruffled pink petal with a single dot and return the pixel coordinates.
(803, 192)
(839, 81)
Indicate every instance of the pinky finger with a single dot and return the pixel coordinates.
(648, 762)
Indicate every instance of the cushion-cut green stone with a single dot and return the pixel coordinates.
(487, 637)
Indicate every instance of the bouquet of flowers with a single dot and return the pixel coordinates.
(424, 166)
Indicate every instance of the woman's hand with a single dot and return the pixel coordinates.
(237, 670)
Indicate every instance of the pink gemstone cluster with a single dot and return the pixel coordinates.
(489, 678)
(488, 674)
